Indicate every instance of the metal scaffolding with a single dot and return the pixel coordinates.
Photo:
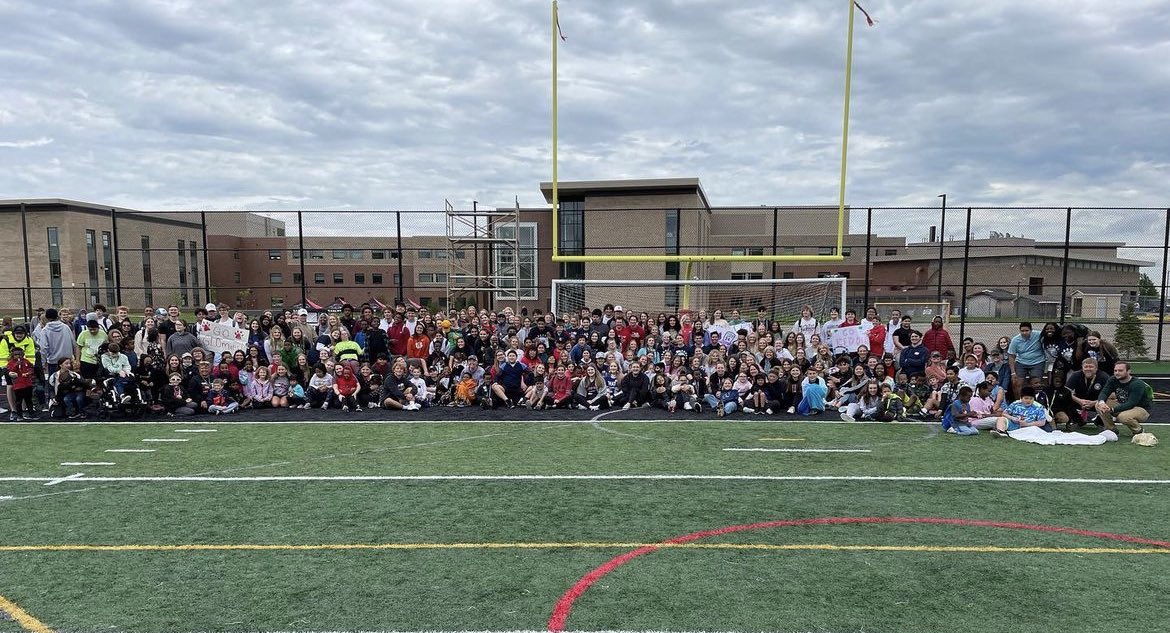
(483, 256)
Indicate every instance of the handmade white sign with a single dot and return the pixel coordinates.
(222, 337)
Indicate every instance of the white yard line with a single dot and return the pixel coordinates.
(664, 477)
(196, 431)
(59, 480)
(130, 450)
(167, 440)
(799, 450)
(88, 464)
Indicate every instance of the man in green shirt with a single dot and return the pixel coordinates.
(1131, 402)
(90, 343)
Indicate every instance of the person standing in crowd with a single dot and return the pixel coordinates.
(1026, 356)
(914, 357)
(182, 341)
(56, 341)
(937, 339)
(1126, 399)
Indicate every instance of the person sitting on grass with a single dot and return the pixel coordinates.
(591, 390)
(757, 397)
(345, 388)
(728, 398)
(411, 399)
(634, 389)
(320, 388)
(281, 388)
(537, 395)
(219, 399)
(959, 416)
(866, 407)
(985, 406)
(1022, 413)
(1126, 399)
(509, 386)
(685, 395)
(175, 399)
(892, 405)
(68, 389)
(561, 388)
(813, 391)
(661, 395)
(118, 367)
(394, 387)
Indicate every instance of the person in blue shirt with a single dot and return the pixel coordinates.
(959, 416)
(914, 357)
(1026, 355)
(1021, 413)
(509, 385)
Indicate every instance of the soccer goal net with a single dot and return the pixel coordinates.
(781, 299)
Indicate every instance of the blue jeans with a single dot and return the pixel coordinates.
(965, 429)
(73, 402)
(729, 408)
(711, 401)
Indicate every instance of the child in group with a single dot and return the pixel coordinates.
(69, 390)
(756, 400)
(959, 417)
(591, 390)
(320, 388)
(422, 391)
(685, 395)
(374, 390)
(866, 407)
(175, 399)
(281, 386)
(219, 399)
(560, 388)
(892, 406)
(1021, 413)
(813, 390)
(345, 388)
(411, 398)
(258, 392)
(660, 394)
(728, 398)
(537, 395)
(21, 375)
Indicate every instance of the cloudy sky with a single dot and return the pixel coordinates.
(356, 104)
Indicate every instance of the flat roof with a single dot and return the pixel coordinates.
(627, 187)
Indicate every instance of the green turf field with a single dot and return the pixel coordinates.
(491, 526)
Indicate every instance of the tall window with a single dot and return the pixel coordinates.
(55, 267)
(1035, 286)
(522, 264)
(194, 271)
(91, 259)
(184, 300)
(571, 231)
(147, 284)
(673, 219)
(108, 263)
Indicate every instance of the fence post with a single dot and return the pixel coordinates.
(775, 245)
(963, 297)
(117, 258)
(868, 262)
(26, 297)
(401, 280)
(942, 240)
(1162, 295)
(301, 250)
(1064, 272)
(206, 261)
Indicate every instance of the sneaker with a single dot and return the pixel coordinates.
(12, 417)
(581, 407)
(719, 412)
(952, 430)
(372, 405)
(357, 409)
(999, 433)
(3, 410)
(28, 416)
(687, 406)
(791, 410)
(75, 415)
(594, 407)
(345, 408)
(698, 408)
(324, 405)
(625, 406)
(768, 411)
(845, 417)
(748, 410)
(125, 399)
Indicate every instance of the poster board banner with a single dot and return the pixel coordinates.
(727, 334)
(222, 337)
(847, 338)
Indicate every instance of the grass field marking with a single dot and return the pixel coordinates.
(88, 464)
(130, 450)
(61, 480)
(564, 606)
(781, 439)
(662, 477)
(168, 439)
(22, 617)
(778, 547)
(799, 450)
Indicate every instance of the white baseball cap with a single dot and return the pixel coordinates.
(618, 309)
(211, 307)
(303, 311)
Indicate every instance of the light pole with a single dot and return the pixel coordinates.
(942, 236)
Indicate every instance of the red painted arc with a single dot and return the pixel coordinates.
(564, 606)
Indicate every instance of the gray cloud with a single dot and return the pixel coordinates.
(398, 104)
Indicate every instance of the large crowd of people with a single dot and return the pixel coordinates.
(70, 364)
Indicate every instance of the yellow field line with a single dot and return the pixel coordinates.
(22, 617)
(810, 547)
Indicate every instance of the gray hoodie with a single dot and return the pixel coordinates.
(56, 341)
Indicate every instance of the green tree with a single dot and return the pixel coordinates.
(1130, 341)
(1146, 287)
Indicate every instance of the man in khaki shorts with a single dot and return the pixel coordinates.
(1126, 399)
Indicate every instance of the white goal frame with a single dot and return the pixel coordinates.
(684, 283)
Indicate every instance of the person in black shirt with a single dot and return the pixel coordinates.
(1086, 386)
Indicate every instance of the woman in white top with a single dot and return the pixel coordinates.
(970, 374)
(806, 324)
